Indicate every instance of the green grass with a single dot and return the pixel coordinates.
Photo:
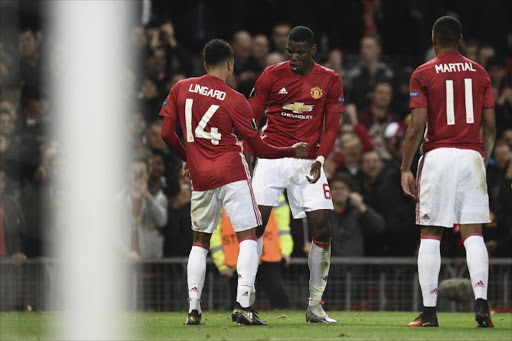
(282, 325)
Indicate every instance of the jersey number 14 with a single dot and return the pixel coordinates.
(214, 134)
(450, 108)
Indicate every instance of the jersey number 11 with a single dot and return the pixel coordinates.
(450, 108)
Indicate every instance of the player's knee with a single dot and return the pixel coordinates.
(322, 233)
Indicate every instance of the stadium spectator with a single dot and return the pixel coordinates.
(172, 163)
(274, 58)
(393, 137)
(363, 77)
(352, 220)
(377, 116)
(260, 50)
(502, 93)
(143, 215)
(279, 37)
(178, 234)
(31, 69)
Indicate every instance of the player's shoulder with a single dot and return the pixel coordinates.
(277, 68)
(325, 70)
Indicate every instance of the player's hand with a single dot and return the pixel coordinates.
(301, 149)
(409, 184)
(357, 199)
(228, 272)
(315, 172)
(185, 170)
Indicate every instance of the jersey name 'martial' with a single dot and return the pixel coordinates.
(454, 67)
(205, 91)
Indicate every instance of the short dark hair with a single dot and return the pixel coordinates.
(447, 30)
(300, 34)
(342, 177)
(217, 51)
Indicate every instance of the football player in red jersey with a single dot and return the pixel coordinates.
(453, 96)
(209, 110)
(303, 101)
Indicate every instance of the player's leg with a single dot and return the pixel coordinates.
(435, 210)
(204, 213)
(478, 265)
(429, 264)
(472, 210)
(319, 261)
(241, 208)
(268, 183)
(196, 273)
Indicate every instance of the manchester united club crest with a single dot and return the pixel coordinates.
(316, 92)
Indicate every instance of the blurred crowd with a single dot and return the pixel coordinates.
(374, 46)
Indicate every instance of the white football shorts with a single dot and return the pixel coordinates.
(238, 201)
(452, 188)
(272, 176)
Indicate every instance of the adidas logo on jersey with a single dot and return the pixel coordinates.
(194, 289)
(245, 294)
(433, 291)
(479, 284)
(425, 217)
(283, 92)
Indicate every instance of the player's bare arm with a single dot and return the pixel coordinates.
(410, 145)
(488, 132)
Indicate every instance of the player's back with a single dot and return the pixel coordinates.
(454, 90)
(205, 105)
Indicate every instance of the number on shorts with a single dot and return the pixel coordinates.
(214, 134)
(327, 191)
(450, 108)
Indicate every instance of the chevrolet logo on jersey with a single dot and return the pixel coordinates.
(298, 107)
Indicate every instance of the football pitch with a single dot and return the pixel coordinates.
(282, 325)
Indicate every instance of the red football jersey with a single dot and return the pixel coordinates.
(454, 90)
(209, 110)
(299, 108)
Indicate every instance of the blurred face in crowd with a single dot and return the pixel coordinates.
(156, 166)
(3, 181)
(138, 174)
(339, 192)
(242, 45)
(6, 123)
(10, 107)
(381, 96)
(149, 89)
(260, 47)
(370, 50)
(154, 137)
(507, 136)
(502, 155)
(497, 73)
(174, 79)
(274, 58)
(139, 36)
(371, 164)
(28, 44)
(280, 37)
(159, 58)
(336, 58)
(351, 148)
(138, 125)
(485, 53)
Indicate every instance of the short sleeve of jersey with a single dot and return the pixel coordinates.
(243, 119)
(417, 91)
(488, 100)
(169, 107)
(335, 99)
(259, 95)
